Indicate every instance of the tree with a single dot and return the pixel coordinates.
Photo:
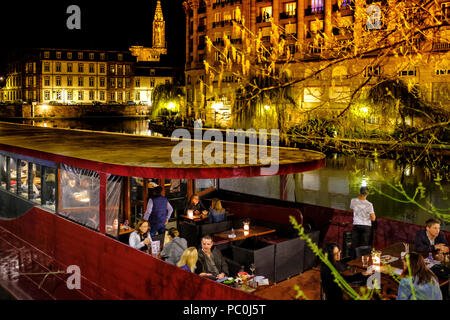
(166, 97)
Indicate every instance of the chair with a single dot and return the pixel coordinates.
(362, 251)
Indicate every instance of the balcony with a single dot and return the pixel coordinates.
(235, 41)
(441, 46)
(261, 19)
(312, 11)
(218, 42)
(287, 15)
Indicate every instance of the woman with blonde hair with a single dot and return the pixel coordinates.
(216, 212)
(188, 260)
(173, 250)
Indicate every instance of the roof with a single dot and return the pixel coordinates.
(139, 156)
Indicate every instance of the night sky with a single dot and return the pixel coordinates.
(104, 25)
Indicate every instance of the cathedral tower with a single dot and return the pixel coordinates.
(159, 28)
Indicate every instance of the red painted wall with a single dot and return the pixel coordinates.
(109, 268)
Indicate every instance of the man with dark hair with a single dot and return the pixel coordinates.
(432, 239)
(363, 215)
(211, 264)
(158, 212)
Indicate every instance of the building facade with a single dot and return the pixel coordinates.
(300, 21)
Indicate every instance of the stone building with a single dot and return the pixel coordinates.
(300, 21)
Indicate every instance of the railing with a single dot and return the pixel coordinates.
(441, 46)
(225, 2)
(287, 15)
(311, 11)
(234, 41)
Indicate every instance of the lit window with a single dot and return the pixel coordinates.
(138, 83)
(91, 81)
(317, 5)
(69, 55)
(80, 67)
(46, 54)
(102, 68)
(80, 95)
(102, 56)
(58, 67)
(266, 13)
(46, 67)
(120, 57)
(47, 81)
(58, 81)
(80, 55)
(102, 95)
(58, 55)
(47, 95)
(69, 82)
(91, 56)
(69, 67)
(91, 95)
(152, 83)
(91, 68)
(290, 8)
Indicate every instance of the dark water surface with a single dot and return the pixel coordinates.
(332, 186)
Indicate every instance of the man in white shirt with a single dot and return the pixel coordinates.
(363, 215)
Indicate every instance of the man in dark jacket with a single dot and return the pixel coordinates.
(431, 239)
(211, 264)
(158, 212)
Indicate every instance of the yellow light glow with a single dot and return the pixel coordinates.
(364, 110)
(217, 106)
(266, 107)
(44, 107)
(171, 106)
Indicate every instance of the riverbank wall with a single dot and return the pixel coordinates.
(71, 111)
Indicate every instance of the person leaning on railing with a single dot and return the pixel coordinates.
(423, 285)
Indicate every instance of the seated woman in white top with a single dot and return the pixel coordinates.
(141, 239)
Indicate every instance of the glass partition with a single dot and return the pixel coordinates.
(48, 177)
(113, 201)
(35, 178)
(3, 172)
(204, 184)
(12, 175)
(79, 199)
(24, 182)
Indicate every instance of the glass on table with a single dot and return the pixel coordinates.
(252, 268)
(365, 261)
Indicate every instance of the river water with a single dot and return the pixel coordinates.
(331, 186)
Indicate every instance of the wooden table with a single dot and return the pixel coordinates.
(389, 286)
(199, 217)
(240, 234)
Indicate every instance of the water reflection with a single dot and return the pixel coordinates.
(332, 186)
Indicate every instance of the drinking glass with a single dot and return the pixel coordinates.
(365, 261)
(252, 268)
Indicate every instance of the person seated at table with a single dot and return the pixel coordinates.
(431, 239)
(216, 212)
(211, 264)
(196, 205)
(423, 281)
(188, 260)
(330, 287)
(173, 249)
(140, 238)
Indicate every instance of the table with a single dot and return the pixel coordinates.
(240, 234)
(389, 286)
(200, 217)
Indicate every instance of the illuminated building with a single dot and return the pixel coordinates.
(301, 21)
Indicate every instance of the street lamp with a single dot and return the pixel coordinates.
(216, 106)
(364, 110)
(266, 108)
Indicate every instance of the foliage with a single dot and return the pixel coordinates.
(165, 94)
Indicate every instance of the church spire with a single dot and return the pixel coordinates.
(159, 27)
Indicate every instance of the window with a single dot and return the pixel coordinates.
(102, 81)
(80, 67)
(290, 9)
(440, 72)
(102, 68)
(138, 95)
(373, 71)
(102, 95)
(69, 82)
(188, 79)
(152, 72)
(30, 81)
(91, 56)
(46, 67)
(69, 55)
(266, 14)
(127, 82)
(217, 17)
(446, 10)
(152, 83)
(91, 95)
(102, 57)
(91, 81)
(127, 69)
(406, 73)
(58, 81)
(119, 69)
(58, 95)
(46, 54)
(69, 95)
(80, 95)
(317, 5)
(138, 83)
(80, 81)
(112, 68)
(167, 81)
(113, 96)
(119, 96)
(80, 55)
(291, 28)
(47, 81)
(47, 95)
(91, 68)
(58, 67)
(119, 82)
(120, 57)
(112, 82)
(58, 55)
(69, 67)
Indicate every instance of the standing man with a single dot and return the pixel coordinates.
(158, 212)
(432, 239)
(363, 215)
